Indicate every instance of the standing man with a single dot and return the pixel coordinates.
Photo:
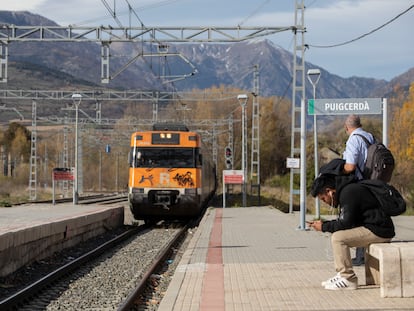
(355, 155)
(356, 149)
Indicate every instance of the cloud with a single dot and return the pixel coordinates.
(384, 50)
(383, 54)
(21, 5)
(94, 12)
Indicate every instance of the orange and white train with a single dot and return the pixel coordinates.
(171, 177)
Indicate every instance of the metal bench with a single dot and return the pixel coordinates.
(391, 265)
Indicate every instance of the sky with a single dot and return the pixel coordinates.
(382, 54)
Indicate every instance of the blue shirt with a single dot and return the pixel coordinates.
(356, 150)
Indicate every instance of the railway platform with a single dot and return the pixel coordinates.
(255, 258)
(35, 231)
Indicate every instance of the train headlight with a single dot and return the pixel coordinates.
(190, 191)
(137, 190)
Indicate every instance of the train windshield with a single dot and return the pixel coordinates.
(164, 157)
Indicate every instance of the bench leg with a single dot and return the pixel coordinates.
(390, 272)
(383, 267)
(407, 271)
(372, 273)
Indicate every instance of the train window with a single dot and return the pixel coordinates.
(165, 138)
(131, 158)
(166, 157)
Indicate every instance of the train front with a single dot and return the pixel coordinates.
(165, 175)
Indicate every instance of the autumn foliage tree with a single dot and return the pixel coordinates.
(275, 136)
(402, 144)
(16, 146)
(16, 141)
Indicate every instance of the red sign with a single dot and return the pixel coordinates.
(233, 177)
(63, 174)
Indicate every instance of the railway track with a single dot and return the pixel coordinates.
(105, 199)
(110, 277)
(89, 199)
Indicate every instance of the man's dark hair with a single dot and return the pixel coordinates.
(320, 184)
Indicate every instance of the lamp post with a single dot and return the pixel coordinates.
(313, 77)
(242, 98)
(76, 100)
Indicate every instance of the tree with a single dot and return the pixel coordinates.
(274, 136)
(15, 143)
(402, 143)
(16, 139)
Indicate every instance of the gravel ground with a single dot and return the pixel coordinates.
(159, 282)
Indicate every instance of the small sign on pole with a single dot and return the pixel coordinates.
(233, 177)
(63, 173)
(293, 163)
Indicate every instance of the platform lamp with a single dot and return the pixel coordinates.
(313, 77)
(76, 101)
(242, 98)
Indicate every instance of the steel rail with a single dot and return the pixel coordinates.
(157, 262)
(13, 302)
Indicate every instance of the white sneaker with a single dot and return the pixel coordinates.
(342, 284)
(332, 279)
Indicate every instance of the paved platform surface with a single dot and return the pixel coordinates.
(255, 258)
(30, 215)
(34, 231)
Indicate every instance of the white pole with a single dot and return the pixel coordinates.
(76, 100)
(315, 141)
(242, 98)
(224, 193)
(53, 188)
(384, 122)
(244, 151)
(313, 76)
(75, 187)
(302, 166)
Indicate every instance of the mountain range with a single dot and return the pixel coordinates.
(56, 65)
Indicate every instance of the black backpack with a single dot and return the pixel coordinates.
(380, 161)
(391, 201)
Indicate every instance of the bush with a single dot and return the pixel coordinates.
(282, 181)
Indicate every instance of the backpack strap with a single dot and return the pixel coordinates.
(368, 144)
(365, 139)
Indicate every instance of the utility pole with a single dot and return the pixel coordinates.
(33, 156)
(255, 152)
(298, 132)
(242, 98)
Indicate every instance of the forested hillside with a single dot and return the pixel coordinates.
(105, 171)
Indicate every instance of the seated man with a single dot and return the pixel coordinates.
(360, 223)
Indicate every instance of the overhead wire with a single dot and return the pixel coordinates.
(158, 4)
(131, 10)
(254, 12)
(243, 74)
(364, 35)
(311, 4)
(112, 12)
(123, 12)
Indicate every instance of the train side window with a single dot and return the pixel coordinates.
(132, 158)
